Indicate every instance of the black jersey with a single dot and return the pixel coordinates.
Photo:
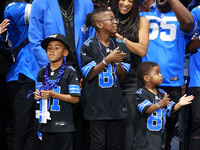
(150, 131)
(60, 111)
(102, 96)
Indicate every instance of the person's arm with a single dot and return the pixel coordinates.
(64, 97)
(141, 47)
(36, 33)
(195, 40)
(165, 101)
(184, 100)
(193, 45)
(121, 73)
(183, 15)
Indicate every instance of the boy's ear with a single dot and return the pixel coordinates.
(146, 78)
(99, 25)
(66, 52)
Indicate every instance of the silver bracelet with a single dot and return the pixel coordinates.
(103, 61)
(124, 39)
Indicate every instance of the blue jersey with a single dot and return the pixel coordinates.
(194, 66)
(18, 13)
(167, 44)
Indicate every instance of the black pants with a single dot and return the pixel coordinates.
(195, 130)
(105, 134)
(57, 141)
(171, 130)
(23, 135)
(128, 123)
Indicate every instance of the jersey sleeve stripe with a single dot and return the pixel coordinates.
(169, 108)
(74, 89)
(143, 104)
(70, 67)
(85, 70)
(126, 66)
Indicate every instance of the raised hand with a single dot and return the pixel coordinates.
(3, 25)
(165, 101)
(185, 100)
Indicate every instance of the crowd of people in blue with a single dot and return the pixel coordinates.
(100, 75)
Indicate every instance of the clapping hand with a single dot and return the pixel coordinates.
(165, 101)
(185, 100)
(116, 56)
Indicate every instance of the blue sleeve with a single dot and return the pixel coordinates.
(142, 101)
(193, 30)
(73, 84)
(170, 109)
(21, 16)
(36, 32)
(87, 59)
(196, 14)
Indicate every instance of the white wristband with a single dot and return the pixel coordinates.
(103, 61)
(124, 39)
(158, 105)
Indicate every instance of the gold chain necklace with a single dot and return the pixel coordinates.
(64, 12)
(124, 21)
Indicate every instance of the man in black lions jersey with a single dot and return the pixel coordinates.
(60, 88)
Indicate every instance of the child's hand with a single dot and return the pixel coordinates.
(185, 100)
(46, 94)
(165, 101)
(115, 56)
(37, 95)
(120, 56)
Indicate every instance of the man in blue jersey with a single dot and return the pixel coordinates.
(21, 78)
(171, 27)
(65, 17)
(194, 73)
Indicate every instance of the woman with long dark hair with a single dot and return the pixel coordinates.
(134, 31)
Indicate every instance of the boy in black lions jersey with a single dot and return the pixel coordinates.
(61, 86)
(104, 60)
(153, 106)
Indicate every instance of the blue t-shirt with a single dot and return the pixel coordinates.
(167, 46)
(194, 66)
(18, 13)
